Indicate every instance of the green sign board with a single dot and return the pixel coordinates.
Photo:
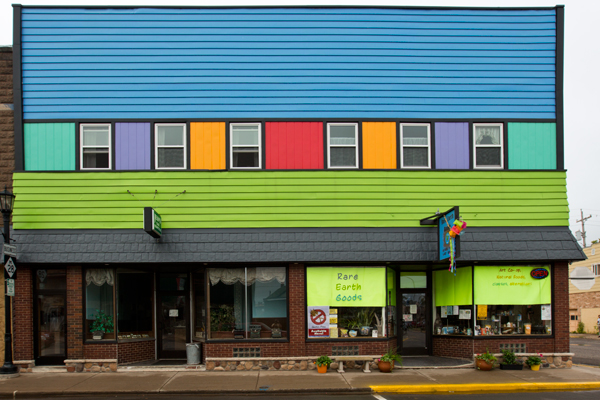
(346, 286)
(511, 285)
(152, 222)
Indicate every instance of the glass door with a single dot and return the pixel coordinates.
(50, 317)
(173, 315)
(414, 323)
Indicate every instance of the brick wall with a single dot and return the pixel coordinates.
(96, 351)
(136, 351)
(466, 347)
(75, 313)
(7, 145)
(23, 315)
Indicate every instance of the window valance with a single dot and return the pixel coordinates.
(100, 276)
(229, 276)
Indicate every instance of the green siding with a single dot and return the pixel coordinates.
(531, 145)
(243, 199)
(50, 147)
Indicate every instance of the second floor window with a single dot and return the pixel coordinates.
(95, 146)
(245, 146)
(170, 146)
(415, 139)
(488, 146)
(342, 145)
(596, 269)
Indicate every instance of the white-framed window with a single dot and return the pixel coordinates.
(596, 269)
(488, 146)
(245, 145)
(342, 145)
(170, 146)
(415, 142)
(95, 146)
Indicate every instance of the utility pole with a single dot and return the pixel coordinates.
(582, 220)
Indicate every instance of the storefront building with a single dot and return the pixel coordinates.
(290, 155)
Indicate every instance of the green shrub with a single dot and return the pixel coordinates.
(580, 327)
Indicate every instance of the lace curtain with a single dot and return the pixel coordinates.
(488, 135)
(229, 276)
(100, 276)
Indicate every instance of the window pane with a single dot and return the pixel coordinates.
(51, 279)
(342, 156)
(487, 135)
(95, 158)
(448, 320)
(95, 135)
(413, 280)
(99, 309)
(135, 296)
(268, 302)
(342, 135)
(245, 157)
(415, 135)
(170, 158)
(513, 320)
(170, 135)
(244, 135)
(199, 288)
(488, 156)
(415, 156)
(172, 282)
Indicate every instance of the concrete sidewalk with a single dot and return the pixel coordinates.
(399, 381)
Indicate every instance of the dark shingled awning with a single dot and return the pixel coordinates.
(504, 244)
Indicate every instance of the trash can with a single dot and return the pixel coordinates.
(192, 351)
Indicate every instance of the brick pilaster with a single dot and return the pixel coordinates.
(74, 313)
(23, 315)
(297, 307)
(560, 285)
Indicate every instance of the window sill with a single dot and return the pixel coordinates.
(136, 340)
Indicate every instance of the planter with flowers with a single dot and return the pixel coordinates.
(323, 363)
(509, 361)
(485, 361)
(386, 362)
(534, 362)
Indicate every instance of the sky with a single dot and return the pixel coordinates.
(581, 83)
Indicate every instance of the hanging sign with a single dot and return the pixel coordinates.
(152, 222)
(318, 321)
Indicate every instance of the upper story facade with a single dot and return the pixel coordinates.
(288, 117)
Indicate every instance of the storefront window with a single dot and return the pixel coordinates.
(135, 305)
(248, 303)
(99, 304)
(513, 300)
(453, 300)
(199, 289)
(347, 302)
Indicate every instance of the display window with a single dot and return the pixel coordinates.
(348, 302)
(99, 304)
(135, 305)
(248, 303)
(453, 302)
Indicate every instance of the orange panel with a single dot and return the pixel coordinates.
(207, 145)
(379, 145)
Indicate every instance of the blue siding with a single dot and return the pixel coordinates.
(288, 63)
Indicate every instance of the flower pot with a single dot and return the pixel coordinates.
(483, 365)
(97, 335)
(365, 330)
(512, 367)
(535, 367)
(322, 369)
(385, 366)
(352, 333)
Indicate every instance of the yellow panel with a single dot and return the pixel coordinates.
(207, 145)
(379, 145)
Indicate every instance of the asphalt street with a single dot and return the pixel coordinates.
(586, 351)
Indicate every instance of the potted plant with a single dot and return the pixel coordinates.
(485, 361)
(509, 361)
(364, 320)
(102, 324)
(353, 326)
(534, 362)
(222, 322)
(323, 363)
(386, 362)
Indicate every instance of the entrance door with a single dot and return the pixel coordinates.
(173, 315)
(414, 327)
(50, 317)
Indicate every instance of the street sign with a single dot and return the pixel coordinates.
(9, 250)
(10, 287)
(11, 269)
(152, 222)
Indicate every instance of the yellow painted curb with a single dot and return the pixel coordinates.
(487, 387)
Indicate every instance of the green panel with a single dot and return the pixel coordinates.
(511, 285)
(453, 290)
(49, 147)
(413, 280)
(345, 286)
(244, 199)
(531, 145)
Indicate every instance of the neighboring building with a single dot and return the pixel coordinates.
(584, 290)
(291, 153)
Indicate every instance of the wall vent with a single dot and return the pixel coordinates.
(344, 351)
(514, 347)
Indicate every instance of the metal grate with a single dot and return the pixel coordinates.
(514, 347)
(344, 351)
(246, 352)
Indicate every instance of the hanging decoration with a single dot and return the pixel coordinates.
(455, 230)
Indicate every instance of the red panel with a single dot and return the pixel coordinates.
(294, 145)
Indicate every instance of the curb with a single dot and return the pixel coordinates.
(487, 388)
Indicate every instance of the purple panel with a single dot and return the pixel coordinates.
(451, 145)
(132, 145)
